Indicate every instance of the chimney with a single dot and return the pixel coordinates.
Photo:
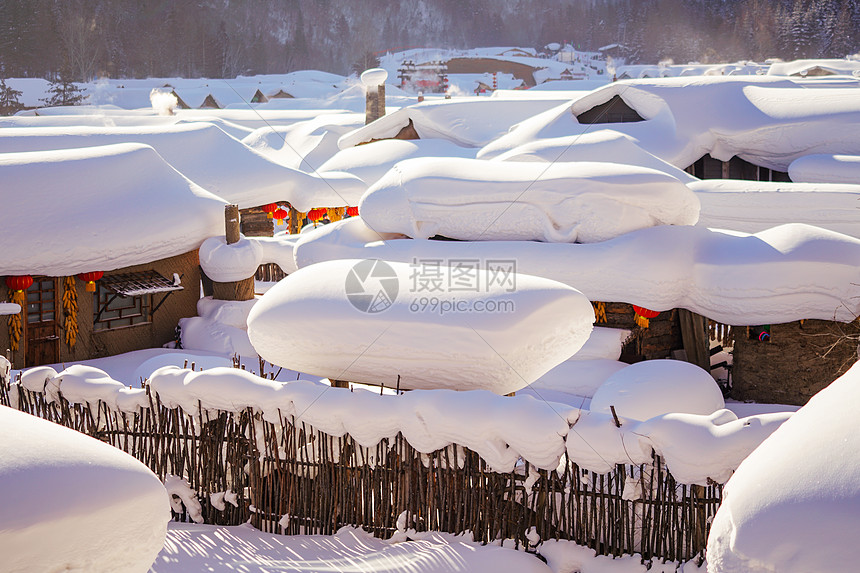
(374, 85)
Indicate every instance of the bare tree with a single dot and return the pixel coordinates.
(81, 44)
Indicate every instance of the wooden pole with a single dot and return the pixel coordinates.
(239, 290)
(231, 223)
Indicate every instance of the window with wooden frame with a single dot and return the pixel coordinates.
(119, 311)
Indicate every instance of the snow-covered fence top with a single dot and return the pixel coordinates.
(698, 449)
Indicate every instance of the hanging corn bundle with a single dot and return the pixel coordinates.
(301, 221)
(336, 213)
(599, 311)
(17, 286)
(70, 311)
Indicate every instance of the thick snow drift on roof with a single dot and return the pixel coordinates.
(656, 387)
(804, 67)
(468, 122)
(304, 145)
(826, 169)
(79, 210)
(794, 504)
(470, 199)
(765, 120)
(219, 163)
(73, 503)
(370, 162)
(372, 322)
(787, 273)
(753, 206)
(605, 145)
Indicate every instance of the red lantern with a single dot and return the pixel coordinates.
(352, 211)
(643, 315)
(280, 215)
(19, 283)
(316, 214)
(90, 279)
(270, 209)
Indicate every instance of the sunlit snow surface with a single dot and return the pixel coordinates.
(192, 548)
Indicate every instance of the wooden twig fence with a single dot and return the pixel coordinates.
(269, 272)
(289, 477)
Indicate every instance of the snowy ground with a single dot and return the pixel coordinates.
(191, 548)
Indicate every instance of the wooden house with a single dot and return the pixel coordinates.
(280, 94)
(95, 275)
(209, 102)
(131, 308)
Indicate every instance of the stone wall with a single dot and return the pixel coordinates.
(800, 358)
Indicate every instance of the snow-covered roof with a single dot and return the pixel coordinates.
(209, 157)
(765, 120)
(99, 209)
(370, 162)
(471, 199)
(468, 122)
(826, 168)
(808, 67)
(786, 273)
(307, 144)
(338, 307)
(754, 206)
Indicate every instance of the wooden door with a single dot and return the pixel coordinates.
(43, 339)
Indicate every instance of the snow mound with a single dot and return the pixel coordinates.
(603, 343)
(794, 504)
(468, 199)
(697, 448)
(73, 503)
(579, 378)
(654, 387)
(79, 209)
(369, 321)
(221, 326)
(826, 169)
